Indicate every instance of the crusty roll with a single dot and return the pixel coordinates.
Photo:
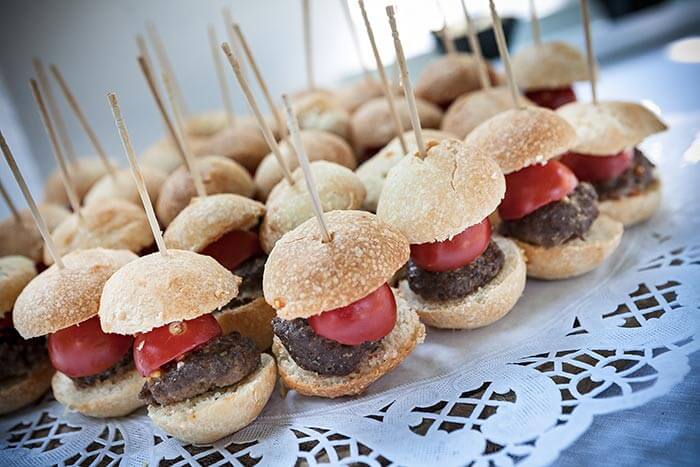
(123, 186)
(84, 174)
(24, 239)
(16, 393)
(162, 155)
(550, 65)
(15, 274)
(243, 142)
(632, 210)
(206, 124)
(358, 92)
(320, 110)
(447, 78)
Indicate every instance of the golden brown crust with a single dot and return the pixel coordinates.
(632, 210)
(253, 320)
(550, 65)
(447, 78)
(162, 155)
(206, 124)
(15, 274)
(84, 173)
(21, 392)
(123, 186)
(319, 110)
(243, 142)
(305, 276)
(24, 239)
(353, 95)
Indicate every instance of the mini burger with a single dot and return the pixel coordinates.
(607, 156)
(201, 384)
(23, 238)
(84, 174)
(550, 214)
(243, 142)
(321, 110)
(25, 370)
(164, 156)
(122, 186)
(353, 95)
(338, 327)
(94, 370)
(458, 276)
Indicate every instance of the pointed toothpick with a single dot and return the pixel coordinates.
(293, 125)
(165, 64)
(223, 84)
(229, 23)
(505, 57)
(445, 31)
(383, 79)
(535, 24)
(136, 172)
(406, 81)
(10, 204)
(38, 218)
(586, 19)
(308, 44)
(355, 39)
(253, 105)
(475, 45)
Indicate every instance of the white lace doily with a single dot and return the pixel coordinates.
(517, 392)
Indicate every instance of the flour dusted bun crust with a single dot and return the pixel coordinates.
(550, 65)
(84, 173)
(123, 186)
(24, 238)
(447, 78)
(243, 142)
(357, 93)
(15, 274)
(20, 392)
(320, 110)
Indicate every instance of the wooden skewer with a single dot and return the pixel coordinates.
(223, 84)
(586, 18)
(445, 31)
(396, 75)
(58, 153)
(535, 24)
(143, 50)
(136, 172)
(229, 22)
(10, 204)
(355, 39)
(308, 49)
(78, 111)
(38, 218)
(383, 79)
(475, 45)
(408, 87)
(305, 167)
(253, 105)
(165, 64)
(505, 58)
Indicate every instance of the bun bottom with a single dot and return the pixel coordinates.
(21, 392)
(219, 413)
(253, 320)
(480, 308)
(393, 349)
(574, 257)
(632, 210)
(103, 400)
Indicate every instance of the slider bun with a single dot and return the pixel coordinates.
(208, 219)
(447, 78)
(609, 127)
(287, 207)
(437, 197)
(15, 274)
(372, 125)
(305, 276)
(518, 138)
(319, 145)
(632, 210)
(574, 257)
(243, 142)
(84, 173)
(162, 155)
(123, 187)
(206, 124)
(219, 175)
(24, 239)
(59, 298)
(253, 320)
(114, 224)
(392, 350)
(374, 170)
(158, 289)
(20, 392)
(104, 399)
(353, 95)
(321, 110)
(550, 65)
(220, 412)
(480, 308)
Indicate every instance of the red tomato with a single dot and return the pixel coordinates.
(453, 254)
(6, 320)
(596, 168)
(368, 319)
(85, 350)
(531, 188)
(155, 348)
(552, 98)
(234, 248)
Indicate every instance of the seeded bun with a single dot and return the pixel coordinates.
(609, 127)
(632, 210)
(374, 171)
(518, 138)
(15, 274)
(123, 187)
(208, 219)
(305, 276)
(221, 412)
(16, 393)
(437, 197)
(287, 207)
(114, 224)
(24, 239)
(59, 298)
(253, 320)
(84, 173)
(162, 155)
(243, 142)
(550, 65)
(219, 174)
(319, 145)
(158, 289)
(392, 350)
(447, 78)
(357, 93)
(575, 257)
(320, 110)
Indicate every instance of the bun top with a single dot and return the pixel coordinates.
(60, 298)
(208, 219)
(206, 124)
(549, 65)
(437, 197)
(162, 155)
(159, 289)
(123, 186)
(305, 276)
(447, 78)
(24, 238)
(15, 274)
(320, 110)
(518, 138)
(609, 127)
(243, 142)
(358, 92)
(84, 173)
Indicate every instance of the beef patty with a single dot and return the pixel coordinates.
(18, 356)
(221, 362)
(112, 374)
(633, 181)
(316, 353)
(458, 283)
(251, 272)
(557, 222)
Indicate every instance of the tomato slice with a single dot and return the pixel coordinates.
(368, 319)
(85, 350)
(6, 320)
(552, 98)
(598, 168)
(155, 348)
(234, 248)
(531, 188)
(452, 254)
